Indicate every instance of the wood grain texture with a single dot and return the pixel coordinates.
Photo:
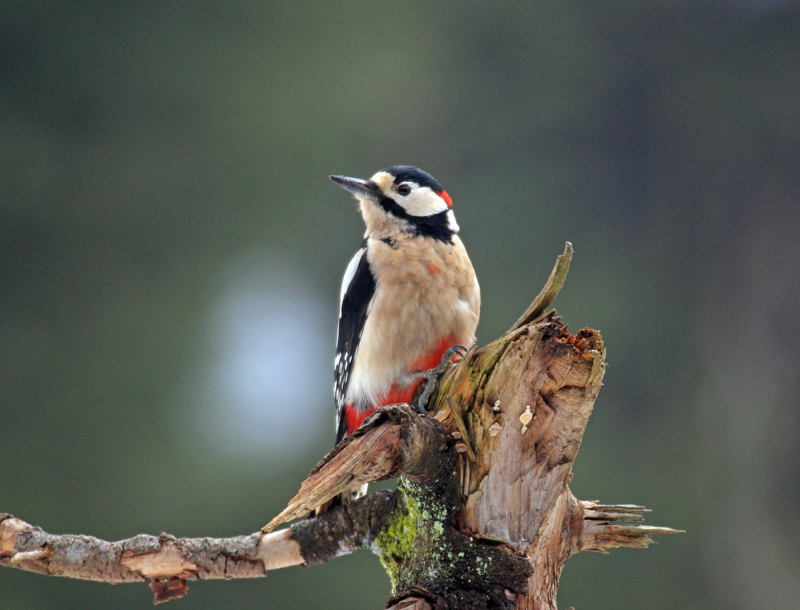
(525, 401)
(483, 517)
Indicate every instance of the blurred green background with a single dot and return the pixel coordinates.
(171, 250)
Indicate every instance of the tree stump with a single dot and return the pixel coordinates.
(482, 517)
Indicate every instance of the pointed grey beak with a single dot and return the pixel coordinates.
(356, 185)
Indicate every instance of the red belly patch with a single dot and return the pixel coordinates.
(354, 417)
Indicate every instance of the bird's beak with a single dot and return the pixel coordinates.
(356, 186)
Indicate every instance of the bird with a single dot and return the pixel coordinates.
(408, 295)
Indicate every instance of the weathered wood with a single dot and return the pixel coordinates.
(171, 562)
(525, 400)
(482, 518)
(133, 560)
(547, 294)
(371, 453)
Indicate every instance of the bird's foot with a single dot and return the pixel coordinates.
(433, 375)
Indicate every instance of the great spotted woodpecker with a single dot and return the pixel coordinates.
(408, 295)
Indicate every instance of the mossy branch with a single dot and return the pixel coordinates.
(482, 518)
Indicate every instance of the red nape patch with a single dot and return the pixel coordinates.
(446, 198)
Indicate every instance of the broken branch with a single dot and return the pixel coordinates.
(170, 562)
(482, 517)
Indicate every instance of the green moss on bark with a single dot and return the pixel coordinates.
(398, 539)
(420, 547)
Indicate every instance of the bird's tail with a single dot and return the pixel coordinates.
(349, 495)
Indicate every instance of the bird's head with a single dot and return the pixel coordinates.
(403, 199)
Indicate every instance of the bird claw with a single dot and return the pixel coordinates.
(434, 374)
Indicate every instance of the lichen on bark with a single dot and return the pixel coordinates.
(422, 550)
(398, 539)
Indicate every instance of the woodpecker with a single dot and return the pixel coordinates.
(408, 295)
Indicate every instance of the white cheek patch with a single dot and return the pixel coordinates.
(422, 201)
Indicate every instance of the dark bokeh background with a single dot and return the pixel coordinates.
(171, 251)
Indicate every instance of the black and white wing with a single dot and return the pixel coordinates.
(358, 288)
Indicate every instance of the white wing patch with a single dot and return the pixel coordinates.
(348, 275)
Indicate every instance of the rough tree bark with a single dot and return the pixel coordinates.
(482, 518)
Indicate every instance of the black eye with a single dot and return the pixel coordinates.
(404, 189)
